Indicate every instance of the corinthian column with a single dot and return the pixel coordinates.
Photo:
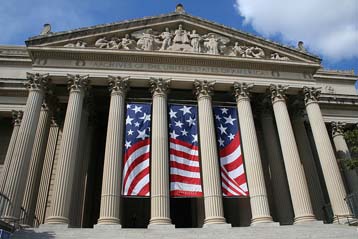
(295, 174)
(342, 152)
(214, 213)
(255, 177)
(17, 116)
(15, 185)
(159, 186)
(331, 173)
(113, 157)
(37, 158)
(46, 171)
(61, 198)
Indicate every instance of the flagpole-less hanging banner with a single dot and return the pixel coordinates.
(185, 180)
(137, 150)
(233, 178)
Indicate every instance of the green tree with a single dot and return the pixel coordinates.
(351, 137)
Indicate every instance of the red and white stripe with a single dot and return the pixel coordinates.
(136, 170)
(184, 169)
(232, 169)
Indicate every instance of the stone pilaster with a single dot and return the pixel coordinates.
(214, 213)
(295, 174)
(36, 163)
(113, 157)
(331, 173)
(47, 170)
(15, 185)
(281, 193)
(17, 117)
(308, 162)
(342, 152)
(255, 177)
(61, 199)
(159, 185)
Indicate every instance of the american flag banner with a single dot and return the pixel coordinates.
(185, 180)
(136, 169)
(233, 178)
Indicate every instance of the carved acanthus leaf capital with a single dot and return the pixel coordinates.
(17, 117)
(36, 81)
(278, 92)
(118, 84)
(242, 90)
(337, 128)
(203, 88)
(77, 82)
(159, 85)
(311, 94)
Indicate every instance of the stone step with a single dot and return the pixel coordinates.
(274, 232)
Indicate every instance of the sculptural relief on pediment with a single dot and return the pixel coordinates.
(179, 39)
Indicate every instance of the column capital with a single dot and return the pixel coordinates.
(203, 88)
(242, 90)
(159, 86)
(278, 92)
(77, 82)
(311, 94)
(36, 81)
(337, 128)
(117, 84)
(17, 117)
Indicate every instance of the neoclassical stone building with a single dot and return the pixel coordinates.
(62, 110)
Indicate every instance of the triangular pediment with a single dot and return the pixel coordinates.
(174, 32)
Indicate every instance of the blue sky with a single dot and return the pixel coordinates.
(329, 28)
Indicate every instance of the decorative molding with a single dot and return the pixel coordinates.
(337, 128)
(203, 88)
(17, 117)
(77, 82)
(117, 84)
(311, 94)
(278, 92)
(159, 85)
(242, 90)
(36, 81)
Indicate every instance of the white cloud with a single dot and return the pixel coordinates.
(327, 27)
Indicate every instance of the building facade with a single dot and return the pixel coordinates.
(64, 99)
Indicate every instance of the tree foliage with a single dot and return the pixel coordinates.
(351, 137)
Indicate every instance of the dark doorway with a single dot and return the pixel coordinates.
(187, 212)
(237, 211)
(135, 212)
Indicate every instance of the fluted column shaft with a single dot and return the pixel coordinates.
(17, 116)
(15, 185)
(213, 204)
(342, 152)
(255, 177)
(295, 174)
(331, 173)
(282, 199)
(113, 157)
(159, 186)
(60, 204)
(309, 166)
(46, 172)
(36, 163)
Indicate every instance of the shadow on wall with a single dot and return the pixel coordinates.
(30, 233)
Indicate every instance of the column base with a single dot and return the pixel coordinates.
(161, 226)
(265, 224)
(304, 219)
(57, 220)
(345, 219)
(217, 225)
(108, 220)
(261, 220)
(214, 220)
(53, 227)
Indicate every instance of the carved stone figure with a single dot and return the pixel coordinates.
(78, 44)
(238, 50)
(113, 43)
(276, 56)
(167, 39)
(126, 43)
(102, 43)
(195, 41)
(212, 44)
(46, 30)
(181, 36)
(255, 52)
(146, 41)
(301, 47)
